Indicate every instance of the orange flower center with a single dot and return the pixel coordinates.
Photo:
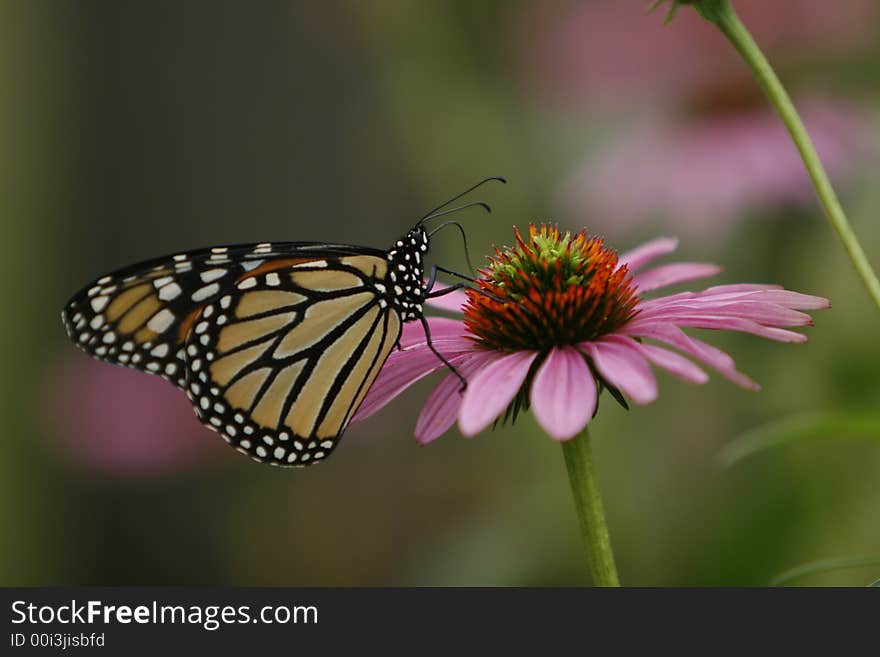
(549, 291)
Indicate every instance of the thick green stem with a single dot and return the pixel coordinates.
(723, 15)
(588, 502)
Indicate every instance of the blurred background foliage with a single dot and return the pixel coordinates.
(132, 129)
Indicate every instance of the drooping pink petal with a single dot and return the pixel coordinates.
(673, 363)
(446, 334)
(642, 255)
(399, 373)
(411, 334)
(406, 367)
(492, 389)
(705, 353)
(441, 408)
(624, 367)
(451, 301)
(442, 328)
(563, 394)
(672, 274)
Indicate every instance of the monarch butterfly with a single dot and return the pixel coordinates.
(275, 344)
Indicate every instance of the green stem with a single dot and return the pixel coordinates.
(588, 502)
(723, 15)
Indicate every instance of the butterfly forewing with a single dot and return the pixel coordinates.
(139, 316)
(279, 364)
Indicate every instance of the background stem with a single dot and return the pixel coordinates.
(724, 16)
(588, 502)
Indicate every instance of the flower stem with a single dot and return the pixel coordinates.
(588, 502)
(724, 16)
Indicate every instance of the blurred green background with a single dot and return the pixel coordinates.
(133, 129)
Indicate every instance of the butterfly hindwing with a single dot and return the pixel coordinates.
(280, 363)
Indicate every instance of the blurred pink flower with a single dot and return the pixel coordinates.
(613, 53)
(108, 420)
(701, 174)
(701, 144)
(575, 321)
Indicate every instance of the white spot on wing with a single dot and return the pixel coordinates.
(161, 321)
(247, 283)
(205, 292)
(98, 303)
(212, 275)
(159, 351)
(169, 292)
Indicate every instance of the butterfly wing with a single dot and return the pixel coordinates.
(139, 316)
(280, 364)
(275, 344)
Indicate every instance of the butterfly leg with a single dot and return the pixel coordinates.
(452, 368)
(454, 273)
(449, 289)
(432, 279)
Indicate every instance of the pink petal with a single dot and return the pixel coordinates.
(673, 363)
(492, 389)
(447, 334)
(451, 301)
(706, 353)
(737, 324)
(441, 407)
(742, 287)
(770, 314)
(720, 291)
(778, 296)
(397, 375)
(622, 366)
(563, 394)
(789, 299)
(403, 369)
(412, 334)
(440, 410)
(638, 257)
(672, 274)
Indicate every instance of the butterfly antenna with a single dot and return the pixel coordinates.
(457, 208)
(467, 253)
(431, 214)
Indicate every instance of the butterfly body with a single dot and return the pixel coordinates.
(275, 344)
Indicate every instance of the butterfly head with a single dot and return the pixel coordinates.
(406, 270)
